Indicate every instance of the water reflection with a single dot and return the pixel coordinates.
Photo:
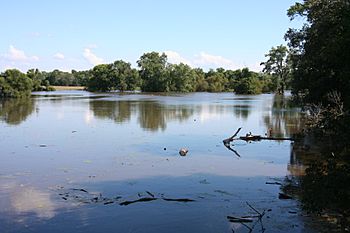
(151, 115)
(25, 200)
(150, 130)
(283, 120)
(242, 111)
(118, 111)
(15, 111)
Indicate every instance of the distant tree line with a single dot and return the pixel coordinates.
(154, 74)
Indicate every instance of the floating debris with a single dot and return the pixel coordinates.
(149, 193)
(274, 183)
(178, 199)
(284, 196)
(183, 151)
(144, 199)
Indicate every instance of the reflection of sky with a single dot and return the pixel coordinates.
(27, 200)
(72, 139)
(197, 121)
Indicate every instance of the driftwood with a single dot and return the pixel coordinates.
(230, 139)
(248, 138)
(144, 199)
(84, 196)
(227, 143)
(178, 199)
(258, 138)
(249, 221)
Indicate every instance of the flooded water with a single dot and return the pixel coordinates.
(73, 161)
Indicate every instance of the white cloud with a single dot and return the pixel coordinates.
(15, 54)
(59, 56)
(91, 57)
(92, 46)
(208, 61)
(176, 58)
(214, 60)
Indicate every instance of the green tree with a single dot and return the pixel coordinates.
(38, 79)
(14, 83)
(80, 78)
(278, 65)
(60, 78)
(102, 79)
(124, 77)
(321, 50)
(181, 78)
(201, 83)
(153, 72)
(248, 83)
(216, 81)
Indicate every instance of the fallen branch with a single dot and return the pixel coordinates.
(144, 199)
(239, 220)
(249, 137)
(230, 139)
(244, 220)
(178, 199)
(274, 183)
(258, 138)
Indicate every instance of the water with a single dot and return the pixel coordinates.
(69, 158)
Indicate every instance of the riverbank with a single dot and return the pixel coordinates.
(60, 88)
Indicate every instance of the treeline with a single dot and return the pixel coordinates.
(154, 74)
(319, 55)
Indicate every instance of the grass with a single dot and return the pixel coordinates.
(68, 87)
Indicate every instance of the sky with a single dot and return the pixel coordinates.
(79, 34)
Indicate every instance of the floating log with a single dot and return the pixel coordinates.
(239, 220)
(258, 138)
(178, 199)
(145, 199)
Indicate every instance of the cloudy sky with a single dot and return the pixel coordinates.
(78, 34)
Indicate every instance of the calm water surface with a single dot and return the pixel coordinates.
(70, 158)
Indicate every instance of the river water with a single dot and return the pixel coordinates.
(74, 161)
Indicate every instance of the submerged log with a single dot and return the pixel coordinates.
(178, 199)
(258, 138)
(144, 199)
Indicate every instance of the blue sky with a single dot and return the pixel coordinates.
(78, 34)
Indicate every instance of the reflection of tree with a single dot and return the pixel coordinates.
(14, 111)
(119, 111)
(242, 111)
(154, 116)
(284, 120)
(151, 115)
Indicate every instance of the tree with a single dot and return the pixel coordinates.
(80, 78)
(216, 81)
(102, 79)
(60, 78)
(201, 83)
(248, 83)
(38, 79)
(321, 50)
(153, 72)
(124, 77)
(14, 83)
(181, 78)
(278, 65)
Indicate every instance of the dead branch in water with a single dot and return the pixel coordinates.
(144, 199)
(248, 138)
(253, 219)
(230, 139)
